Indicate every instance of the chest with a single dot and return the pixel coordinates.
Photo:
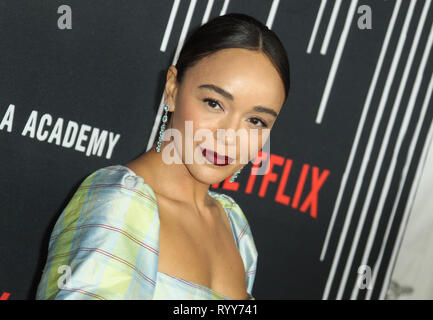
(200, 249)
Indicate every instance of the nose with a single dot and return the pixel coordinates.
(226, 134)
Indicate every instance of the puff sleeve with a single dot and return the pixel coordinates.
(104, 245)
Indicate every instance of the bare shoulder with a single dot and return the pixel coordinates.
(228, 202)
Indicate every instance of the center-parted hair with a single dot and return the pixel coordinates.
(233, 30)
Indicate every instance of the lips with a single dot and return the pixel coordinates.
(215, 158)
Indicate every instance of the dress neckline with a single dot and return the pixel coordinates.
(192, 284)
(214, 195)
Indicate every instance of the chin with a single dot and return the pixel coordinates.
(208, 175)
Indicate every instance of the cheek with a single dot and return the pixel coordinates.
(189, 118)
(188, 108)
(253, 144)
(194, 111)
(183, 114)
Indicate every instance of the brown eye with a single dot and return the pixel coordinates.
(212, 103)
(258, 122)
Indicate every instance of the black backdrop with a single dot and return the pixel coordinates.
(105, 76)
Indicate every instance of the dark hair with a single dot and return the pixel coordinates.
(234, 30)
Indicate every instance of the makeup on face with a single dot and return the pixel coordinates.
(215, 158)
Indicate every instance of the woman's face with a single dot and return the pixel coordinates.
(232, 97)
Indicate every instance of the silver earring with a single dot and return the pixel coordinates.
(235, 175)
(161, 131)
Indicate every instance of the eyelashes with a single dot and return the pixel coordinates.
(263, 124)
(209, 102)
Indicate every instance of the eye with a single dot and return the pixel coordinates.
(211, 103)
(258, 122)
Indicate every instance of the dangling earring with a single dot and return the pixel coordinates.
(235, 175)
(161, 131)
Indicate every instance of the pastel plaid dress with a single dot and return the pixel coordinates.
(105, 244)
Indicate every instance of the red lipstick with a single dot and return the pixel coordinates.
(215, 158)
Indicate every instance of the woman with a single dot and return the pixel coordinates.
(152, 229)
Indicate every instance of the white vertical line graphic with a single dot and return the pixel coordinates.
(330, 28)
(169, 26)
(316, 26)
(401, 135)
(336, 61)
(179, 47)
(409, 157)
(184, 30)
(361, 124)
(378, 166)
(224, 8)
(272, 12)
(413, 190)
(370, 144)
(207, 11)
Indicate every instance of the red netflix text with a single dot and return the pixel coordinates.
(5, 296)
(297, 200)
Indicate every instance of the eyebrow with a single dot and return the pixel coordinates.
(230, 96)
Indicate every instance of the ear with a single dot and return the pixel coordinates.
(171, 87)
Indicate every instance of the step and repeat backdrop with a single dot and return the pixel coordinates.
(81, 83)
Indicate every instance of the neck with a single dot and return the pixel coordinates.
(172, 181)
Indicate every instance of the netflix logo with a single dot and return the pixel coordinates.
(302, 199)
(5, 296)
